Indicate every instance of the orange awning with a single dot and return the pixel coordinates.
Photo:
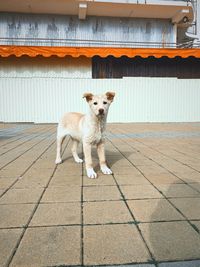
(45, 51)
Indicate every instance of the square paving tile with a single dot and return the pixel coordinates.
(152, 170)
(57, 214)
(101, 180)
(141, 162)
(131, 179)
(190, 207)
(170, 241)
(177, 190)
(125, 170)
(43, 164)
(113, 244)
(140, 191)
(150, 210)
(62, 194)
(10, 173)
(196, 186)
(66, 169)
(6, 182)
(95, 193)
(120, 168)
(106, 212)
(189, 177)
(164, 178)
(21, 196)
(38, 174)
(178, 168)
(31, 182)
(8, 241)
(15, 215)
(49, 246)
(65, 181)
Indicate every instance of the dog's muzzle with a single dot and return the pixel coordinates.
(101, 111)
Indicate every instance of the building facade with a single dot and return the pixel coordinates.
(146, 51)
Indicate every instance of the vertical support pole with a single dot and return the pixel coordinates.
(198, 20)
(174, 35)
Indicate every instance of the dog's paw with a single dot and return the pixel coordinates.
(106, 170)
(58, 161)
(91, 173)
(79, 160)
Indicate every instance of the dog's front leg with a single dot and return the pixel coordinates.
(102, 159)
(87, 149)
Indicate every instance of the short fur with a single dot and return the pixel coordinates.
(89, 129)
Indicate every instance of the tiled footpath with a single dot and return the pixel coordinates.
(147, 214)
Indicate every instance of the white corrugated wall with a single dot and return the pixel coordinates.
(31, 94)
(137, 99)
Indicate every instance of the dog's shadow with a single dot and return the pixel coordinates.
(112, 157)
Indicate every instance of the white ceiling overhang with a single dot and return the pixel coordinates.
(177, 11)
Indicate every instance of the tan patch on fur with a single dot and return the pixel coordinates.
(110, 96)
(88, 96)
(71, 120)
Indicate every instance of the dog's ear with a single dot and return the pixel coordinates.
(88, 96)
(110, 96)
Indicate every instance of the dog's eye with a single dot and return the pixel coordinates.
(104, 102)
(95, 103)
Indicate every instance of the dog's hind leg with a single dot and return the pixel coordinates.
(59, 148)
(74, 151)
(60, 138)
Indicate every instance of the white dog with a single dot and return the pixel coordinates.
(88, 128)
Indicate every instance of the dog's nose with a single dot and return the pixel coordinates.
(101, 111)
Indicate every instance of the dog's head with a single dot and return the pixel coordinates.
(99, 104)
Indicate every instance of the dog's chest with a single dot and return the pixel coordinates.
(95, 134)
